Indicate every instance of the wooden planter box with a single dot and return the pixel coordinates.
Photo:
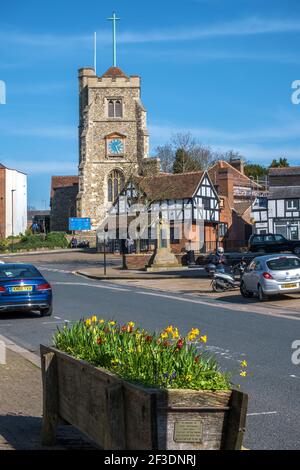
(116, 414)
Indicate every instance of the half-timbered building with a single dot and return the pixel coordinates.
(188, 198)
(280, 211)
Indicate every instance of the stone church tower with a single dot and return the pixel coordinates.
(113, 139)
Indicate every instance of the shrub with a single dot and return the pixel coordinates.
(164, 360)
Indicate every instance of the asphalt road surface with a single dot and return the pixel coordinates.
(264, 341)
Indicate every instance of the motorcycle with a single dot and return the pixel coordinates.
(223, 280)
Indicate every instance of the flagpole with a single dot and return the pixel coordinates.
(95, 53)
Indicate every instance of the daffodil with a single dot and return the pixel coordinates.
(88, 322)
(169, 329)
(101, 321)
(164, 335)
(203, 338)
(94, 318)
(112, 323)
(175, 333)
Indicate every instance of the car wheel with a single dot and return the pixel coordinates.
(261, 295)
(297, 250)
(245, 293)
(47, 312)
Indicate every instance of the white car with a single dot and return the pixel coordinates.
(271, 275)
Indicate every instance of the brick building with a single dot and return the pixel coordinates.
(236, 192)
(64, 190)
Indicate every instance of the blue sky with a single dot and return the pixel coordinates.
(221, 69)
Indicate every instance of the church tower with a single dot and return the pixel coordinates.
(113, 139)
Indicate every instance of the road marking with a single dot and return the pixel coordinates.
(263, 413)
(294, 376)
(232, 307)
(57, 318)
(90, 285)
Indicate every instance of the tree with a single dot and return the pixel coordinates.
(255, 170)
(198, 156)
(166, 155)
(184, 162)
(281, 163)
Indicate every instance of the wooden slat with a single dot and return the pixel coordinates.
(115, 430)
(236, 423)
(50, 397)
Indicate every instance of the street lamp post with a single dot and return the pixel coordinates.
(12, 219)
(104, 253)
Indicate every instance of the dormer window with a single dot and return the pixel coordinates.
(115, 108)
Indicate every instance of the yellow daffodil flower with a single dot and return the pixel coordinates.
(101, 321)
(94, 318)
(169, 329)
(88, 322)
(203, 338)
(112, 323)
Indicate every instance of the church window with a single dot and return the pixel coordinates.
(111, 108)
(115, 184)
(118, 108)
(115, 108)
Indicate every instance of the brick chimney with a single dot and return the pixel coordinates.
(238, 164)
(225, 184)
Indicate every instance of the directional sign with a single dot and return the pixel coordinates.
(79, 223)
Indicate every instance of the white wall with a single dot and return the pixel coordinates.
(18, 181)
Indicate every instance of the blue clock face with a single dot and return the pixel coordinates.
(116, 147)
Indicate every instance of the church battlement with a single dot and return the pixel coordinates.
(88, 78)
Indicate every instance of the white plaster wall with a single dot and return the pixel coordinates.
(18, 181)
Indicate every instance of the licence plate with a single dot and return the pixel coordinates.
(291, 285)
(22, 289)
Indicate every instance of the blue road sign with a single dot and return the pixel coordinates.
(79, 223)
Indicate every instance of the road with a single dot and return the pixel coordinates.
(264, 341)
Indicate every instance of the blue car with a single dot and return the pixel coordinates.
(22, 287)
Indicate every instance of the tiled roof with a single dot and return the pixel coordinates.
(114, 72)
(62, 182)
(284, 192)
(286, 171)
(240, 179)
(241, 207)
(170, 186)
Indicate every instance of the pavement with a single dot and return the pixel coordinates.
(261, 334)
(21, 406)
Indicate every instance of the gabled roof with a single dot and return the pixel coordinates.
(170, 186)
(240, 179)
(242, 207)
(62, 182)
(114, 72)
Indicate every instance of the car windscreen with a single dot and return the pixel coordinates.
(280, 264)
(18, 272)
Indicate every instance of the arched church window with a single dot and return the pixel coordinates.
(111, 108)
(115, 184)
(115, 108)
(118, 108)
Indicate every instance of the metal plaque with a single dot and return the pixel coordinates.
(188, 431)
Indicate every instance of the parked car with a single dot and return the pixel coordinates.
(271, 275)
(273, 243)
(22, 287)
